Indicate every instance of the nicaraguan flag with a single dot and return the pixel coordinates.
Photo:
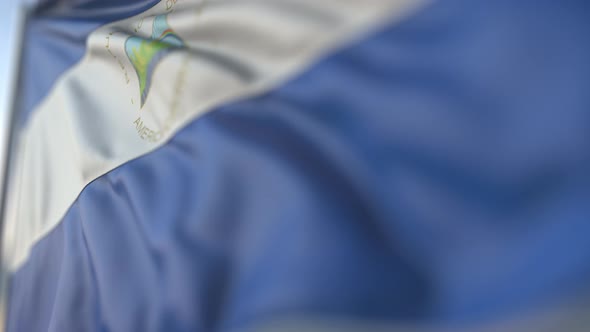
(300, 165)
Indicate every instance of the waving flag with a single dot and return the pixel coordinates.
(300, 165)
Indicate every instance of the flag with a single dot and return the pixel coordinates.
(300, 165)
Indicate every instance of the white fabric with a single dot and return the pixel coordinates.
(89, 125)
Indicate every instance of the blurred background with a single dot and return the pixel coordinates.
(9, 25)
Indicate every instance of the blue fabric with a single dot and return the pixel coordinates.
(437, 172)
(55, 40)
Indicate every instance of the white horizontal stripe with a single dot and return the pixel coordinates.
(92, 122)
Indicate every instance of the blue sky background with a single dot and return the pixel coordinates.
(8, 28)
(8, 21)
